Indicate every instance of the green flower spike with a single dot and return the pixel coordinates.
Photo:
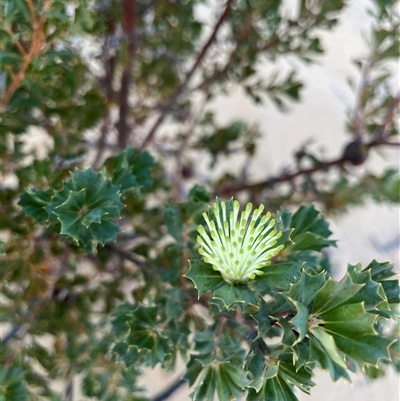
(239, 249)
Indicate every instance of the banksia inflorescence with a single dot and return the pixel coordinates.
(239, 247)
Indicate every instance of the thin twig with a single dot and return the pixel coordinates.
(270, 182)
(166, 108)
(129, 22)
(170, 390)
(388, 118)
(35, 49)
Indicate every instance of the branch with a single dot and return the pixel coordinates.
(35, 49)
(129, 23)
(388, 118)
(354, 159)
(166, 108)
(229, 190)
(170, 390)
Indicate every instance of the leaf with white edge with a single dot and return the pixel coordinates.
(34, 203)
(140, 323)
(300, 321)
(257, 368)
(235, 294)
(310, 241)
(308, 219)
(289, 338)
(204, 277)
(349, 321)
(305, 289)
(300, 378)
(353, 331)
(277, 276)
(380, 271)
(224, 378)
(333, 294)
(329, 346)
(267, 372)
(366, 349)
(274, 389)
(372, 294)
(193, 369)
(262, 319)
(311, 230)
(231, 382)
(85, 207)
(205, 390)
(323, 359)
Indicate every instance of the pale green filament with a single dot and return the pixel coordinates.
(239, 246)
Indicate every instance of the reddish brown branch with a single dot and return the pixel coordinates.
(270, 182)
(36, 48)
(166, 108)
(129, 23)
(388, 118)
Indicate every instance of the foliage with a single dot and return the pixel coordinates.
(102, 274)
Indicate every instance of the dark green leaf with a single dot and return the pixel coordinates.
(204, 277)
(173, 221)
(235, 294)
(277, 276)
(333, 294)
(307, 287)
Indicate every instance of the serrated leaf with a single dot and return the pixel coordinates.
(307, 287)
(310, 241)
(193, 369)
(328, 344)
(131, 169)
(310, 230)
(353, 331)
(141, 329)
(319, 355)
(262, 319)
(277, 276)
(308, 219)
(372, 294)
(205, 390)
(224, 378)
(380, 271)
(204, 277)
(349, 321)
(333, 294)
(231, 382)
(365, 349)
(34, 203)
(289, 338)
(300, 378)
(300, 321)
(234, 294)
(85, 208)
(274, 389)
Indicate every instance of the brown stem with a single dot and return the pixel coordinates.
(388, 118)
(182, 86)
(129, 22)
(35, 49)
(270, 182)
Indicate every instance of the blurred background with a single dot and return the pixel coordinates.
(224, 137)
